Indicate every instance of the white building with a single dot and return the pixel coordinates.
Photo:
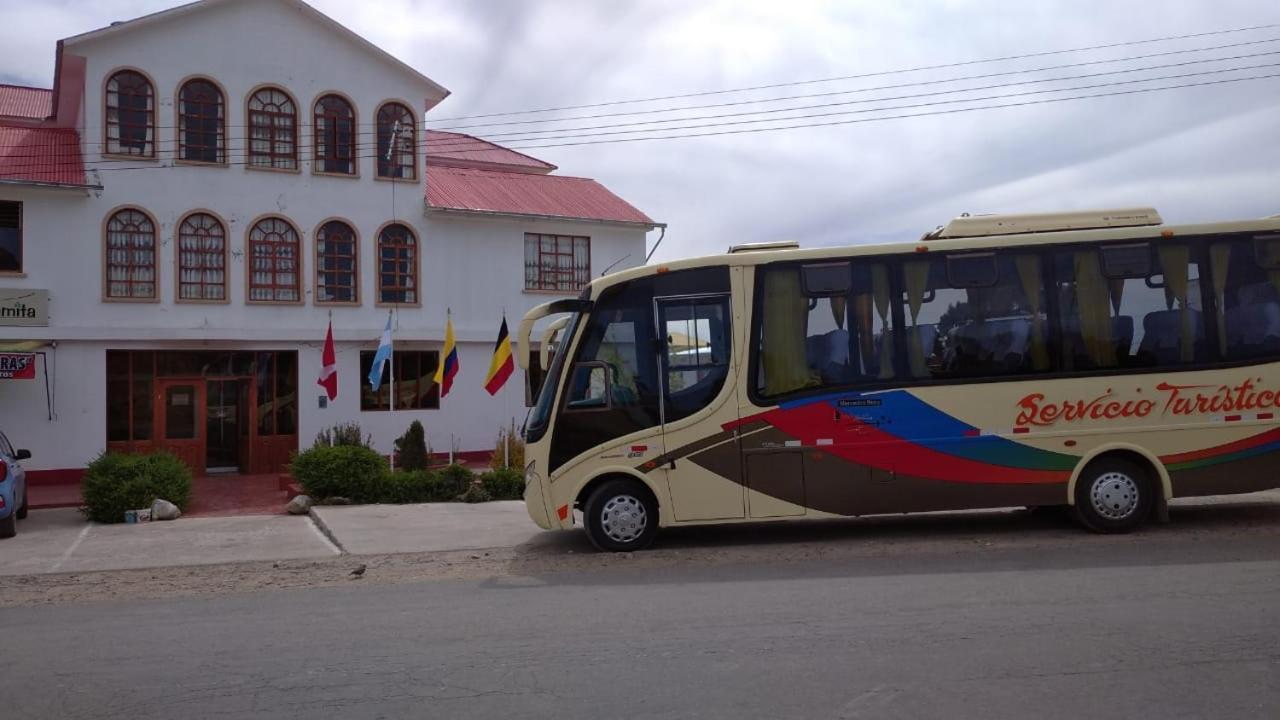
(205, 187)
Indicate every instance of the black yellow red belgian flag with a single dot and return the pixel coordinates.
(502, 364)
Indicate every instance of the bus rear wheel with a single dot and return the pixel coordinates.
(621, 516)
(1114, 495)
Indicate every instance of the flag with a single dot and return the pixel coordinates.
(501, 366)
(380, 358)
(448, 366)
(329, 367)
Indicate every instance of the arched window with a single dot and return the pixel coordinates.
(335, 136)
(131, 115)
(274, 262)
(131, 255)
(337, 266)
(273, 130)
(397, 133)
(397, 265)
(202, 258)
(202, 122)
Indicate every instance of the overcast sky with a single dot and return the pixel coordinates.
(1196, 154)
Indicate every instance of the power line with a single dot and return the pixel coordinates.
(894, 86)
(917, 95)
(738, 131)
(952, 111)
(879, 73)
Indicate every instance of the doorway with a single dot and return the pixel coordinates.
(181, 405)
(226, 425)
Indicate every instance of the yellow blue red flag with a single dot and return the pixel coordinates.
(448, 366)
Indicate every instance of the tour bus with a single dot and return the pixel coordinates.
(1098, 360)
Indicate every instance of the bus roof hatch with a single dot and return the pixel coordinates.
(980, 225)
(763, 246)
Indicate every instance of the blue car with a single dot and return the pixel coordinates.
(13, 487)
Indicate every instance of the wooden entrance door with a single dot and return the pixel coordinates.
(180, 414)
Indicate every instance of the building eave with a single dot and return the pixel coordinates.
(433, 209)
(12, 182)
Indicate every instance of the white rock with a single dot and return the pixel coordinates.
(164, 510)
(299, 505)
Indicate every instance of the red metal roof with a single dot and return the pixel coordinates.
(41, 154)
(459, 150)
(28, 103)
(523, 193)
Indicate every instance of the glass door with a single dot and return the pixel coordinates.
(224, 415)
(181, 407)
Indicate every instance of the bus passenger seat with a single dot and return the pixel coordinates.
(1255, 321)
(1162, 335)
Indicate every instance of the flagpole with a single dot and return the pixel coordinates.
(391, 367)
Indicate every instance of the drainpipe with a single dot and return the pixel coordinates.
(655, 245)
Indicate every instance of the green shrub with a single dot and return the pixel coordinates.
(342, 434)
(416, 486)
(457, 477)
(349, 471)
(475, 494)
(504, 484)
(411, 448)
(116, 482)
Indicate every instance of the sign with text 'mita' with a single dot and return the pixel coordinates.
(17, 366)
(24, 308)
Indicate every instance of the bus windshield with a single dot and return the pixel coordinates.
(536, 423)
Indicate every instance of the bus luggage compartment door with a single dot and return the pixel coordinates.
(775, 483)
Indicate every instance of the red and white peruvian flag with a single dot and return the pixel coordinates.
(329, 367)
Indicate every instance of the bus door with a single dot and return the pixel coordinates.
(694, 364)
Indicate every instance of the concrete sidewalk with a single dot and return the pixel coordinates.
(378, 529)
(61, 540)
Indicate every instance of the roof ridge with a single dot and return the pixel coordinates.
(512, 172)
(25, 87)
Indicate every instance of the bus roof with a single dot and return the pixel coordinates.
(1136, 228)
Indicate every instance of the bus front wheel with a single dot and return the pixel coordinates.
(621, 516)
(1114, 495)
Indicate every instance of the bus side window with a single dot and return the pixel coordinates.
(815, 330)
(1245, 282)
(975, 315)
(1120, 309)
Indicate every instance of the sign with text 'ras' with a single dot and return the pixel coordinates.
(17, 366)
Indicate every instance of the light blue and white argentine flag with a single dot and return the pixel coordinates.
(380, 359)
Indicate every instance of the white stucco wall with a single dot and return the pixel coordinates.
(473, 265)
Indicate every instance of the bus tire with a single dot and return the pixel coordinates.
(1114, 495)
(621, 516)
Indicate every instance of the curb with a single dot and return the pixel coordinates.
(324, 530)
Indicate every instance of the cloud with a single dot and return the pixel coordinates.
(1196, 154)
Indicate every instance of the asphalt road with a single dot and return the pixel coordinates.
(1170, 623)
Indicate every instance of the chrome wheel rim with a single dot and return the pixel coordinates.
(623, 519)
(1114, 495)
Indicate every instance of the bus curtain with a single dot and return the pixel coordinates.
(880, 293)
(1029, 274)
(916, 275)
(1174, 260)
(1219, 260)
(786, 311)
(1095, 312)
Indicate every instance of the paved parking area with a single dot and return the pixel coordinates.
(378, 529)
(61, 541)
